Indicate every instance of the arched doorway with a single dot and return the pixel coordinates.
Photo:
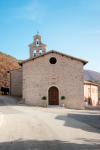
(53, 96)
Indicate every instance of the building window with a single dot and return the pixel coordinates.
(88, 90)
(53, 60)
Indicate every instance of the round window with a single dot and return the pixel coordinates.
(53, 60)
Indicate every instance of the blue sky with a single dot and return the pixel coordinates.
(68, 26)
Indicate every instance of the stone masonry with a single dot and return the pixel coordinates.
(37, 45)
(16, 82)
(66, 75)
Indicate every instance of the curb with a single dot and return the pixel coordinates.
(1, 119)
(92, 108)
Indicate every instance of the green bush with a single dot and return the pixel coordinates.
(63, 97)
(44, 98)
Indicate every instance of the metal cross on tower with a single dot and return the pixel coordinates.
(37, 32)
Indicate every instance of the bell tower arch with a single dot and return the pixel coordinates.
(37, 46)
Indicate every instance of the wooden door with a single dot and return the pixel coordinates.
(53, 96)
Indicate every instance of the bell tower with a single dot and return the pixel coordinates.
(37, 46)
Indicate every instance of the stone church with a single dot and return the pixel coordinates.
(51, 74)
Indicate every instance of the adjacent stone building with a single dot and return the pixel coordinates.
(52, 74)
(15, 82)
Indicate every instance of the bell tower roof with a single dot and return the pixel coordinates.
(37, 36)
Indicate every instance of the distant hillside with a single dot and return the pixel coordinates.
(91, 75)
(9, 57)
(7, 62)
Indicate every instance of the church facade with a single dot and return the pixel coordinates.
(52, 75)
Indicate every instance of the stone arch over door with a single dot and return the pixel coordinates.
(53, 96)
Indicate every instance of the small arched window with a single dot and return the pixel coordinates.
(37, 42)
(40, 52)
(34, 54)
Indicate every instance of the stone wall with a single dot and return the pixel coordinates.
(67, 74)
(16, 82)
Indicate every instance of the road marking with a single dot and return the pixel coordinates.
(1, 120)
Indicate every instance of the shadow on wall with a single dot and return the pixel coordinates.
(97, 104)
(91, 102)
(91, 120)
(50, 145)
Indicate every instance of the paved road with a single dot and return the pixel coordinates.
(37, 128)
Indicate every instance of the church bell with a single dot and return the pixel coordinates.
(37, 42)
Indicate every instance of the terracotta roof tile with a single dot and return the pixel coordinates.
(90, 83)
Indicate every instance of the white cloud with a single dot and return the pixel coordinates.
(33, 11)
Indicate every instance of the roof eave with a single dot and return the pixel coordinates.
(53, 51)
(90, 83)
